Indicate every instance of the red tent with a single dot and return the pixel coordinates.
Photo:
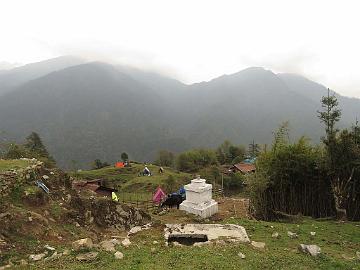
(159, 195)
(119, 165)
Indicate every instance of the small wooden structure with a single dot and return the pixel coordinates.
(96, 185)
(243, 167)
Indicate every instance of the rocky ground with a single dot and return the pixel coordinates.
(32, 220)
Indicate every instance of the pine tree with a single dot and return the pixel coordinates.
(124, 156)
(37, 149)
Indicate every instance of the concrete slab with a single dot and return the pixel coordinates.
(231, 232)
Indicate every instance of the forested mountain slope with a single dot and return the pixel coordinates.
(96, 110)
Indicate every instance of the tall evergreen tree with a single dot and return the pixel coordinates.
(340, 154)
(124, 156)
(35, 145)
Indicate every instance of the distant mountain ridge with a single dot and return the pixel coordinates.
(85, 111)
(15, 77)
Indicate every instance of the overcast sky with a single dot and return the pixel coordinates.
(192, 40)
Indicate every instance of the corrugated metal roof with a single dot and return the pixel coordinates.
(245, 167)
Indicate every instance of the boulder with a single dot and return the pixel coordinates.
(66, 252)
(108, 245)
(86, 257)
(126, 242)
(275, 235)
(84, 243)
(241, 255)
(313, 250)
(49, 248)
(118, 255)
(37, 257)
(259, 245)
(292, 235)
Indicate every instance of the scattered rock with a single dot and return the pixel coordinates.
(115, 241)
(153, 250)
(241, 255)
(292, 235)
(313, 250)
(126, 242)
(107, 245)
(118, 255)
(176, 244)
(23, 262)
(66, 252)
(155, 242)
(86, 257)
(45, 177)
(260, 245)
(312, 233)
(76, 224)
(53, 257)
(137, 229)
(37, 257)
(30, 219)
(49, 248)
(82, 244)
(275, 235)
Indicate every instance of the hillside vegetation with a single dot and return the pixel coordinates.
(128, 180)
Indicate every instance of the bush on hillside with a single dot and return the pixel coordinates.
(165, 158)
(194, 160)
(290, 179)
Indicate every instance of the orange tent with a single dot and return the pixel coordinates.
(119, 165)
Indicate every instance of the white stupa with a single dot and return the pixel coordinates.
(199, 199)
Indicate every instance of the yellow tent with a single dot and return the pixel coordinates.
(114, 197)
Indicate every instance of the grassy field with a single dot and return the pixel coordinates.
(12, 164)
(338, 241)
(127, 180)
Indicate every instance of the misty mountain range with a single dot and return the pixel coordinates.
(85, 111)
